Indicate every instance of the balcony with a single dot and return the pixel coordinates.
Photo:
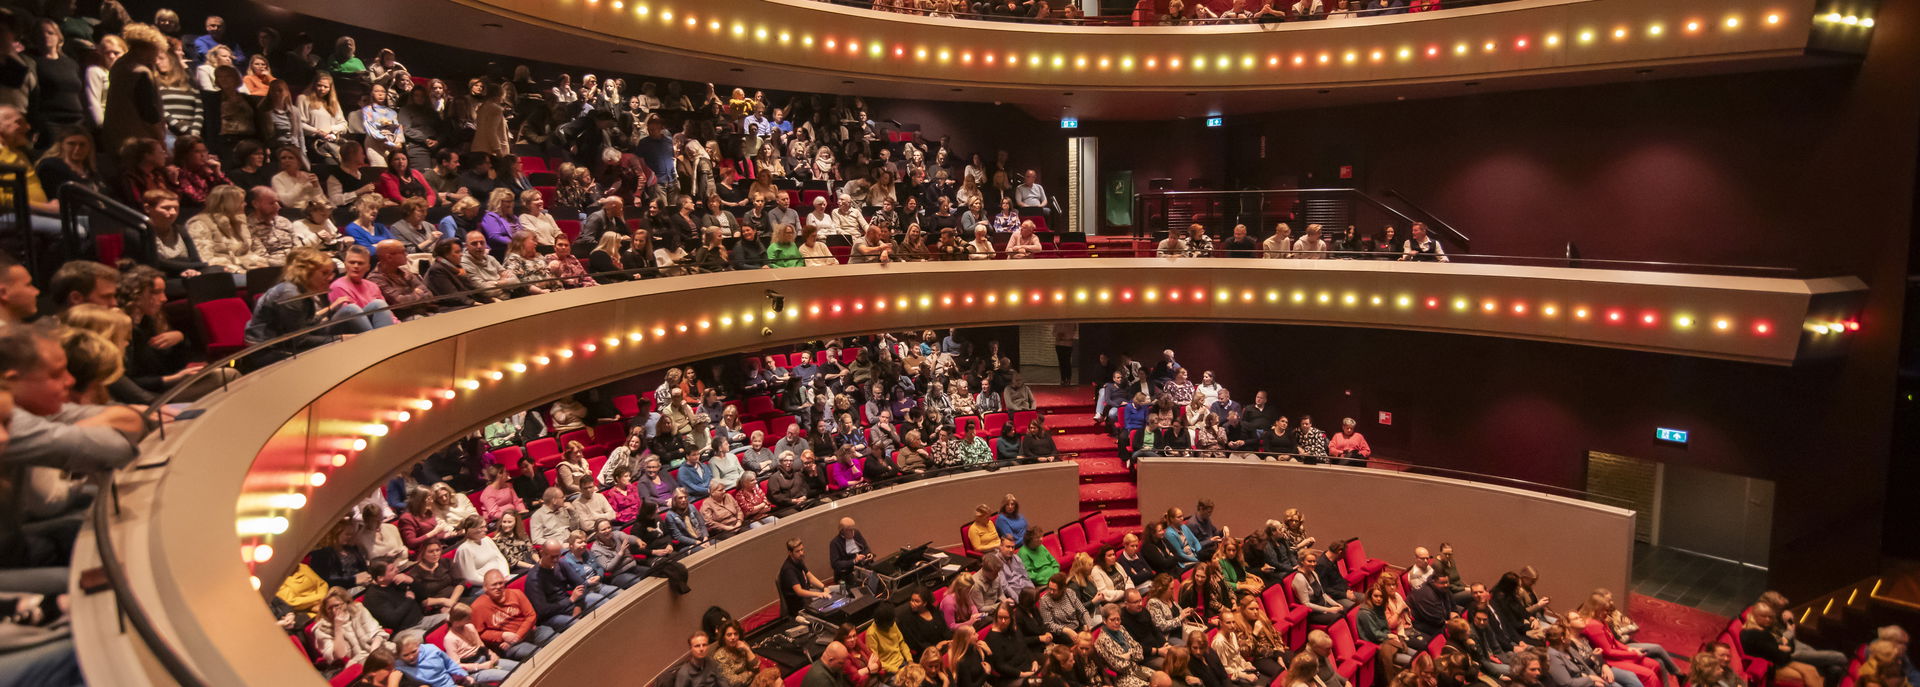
(1128, 71)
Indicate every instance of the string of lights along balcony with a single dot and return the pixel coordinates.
(263, 514)
(648, 15)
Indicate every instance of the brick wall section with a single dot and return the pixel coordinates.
(1627, 479)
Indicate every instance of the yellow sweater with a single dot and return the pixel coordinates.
(983, 538)
(303, 590)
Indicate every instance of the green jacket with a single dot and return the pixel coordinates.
(1040, 564)
(784, 255)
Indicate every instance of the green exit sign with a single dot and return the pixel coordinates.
(1670, 435)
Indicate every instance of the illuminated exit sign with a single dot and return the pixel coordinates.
(1670, 435)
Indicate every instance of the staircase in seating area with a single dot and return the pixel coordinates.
(1848, 616)
(1105, 484)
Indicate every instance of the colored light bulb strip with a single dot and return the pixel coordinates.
(869, 48)
(265, 515)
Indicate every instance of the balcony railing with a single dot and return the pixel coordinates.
(1148, 12)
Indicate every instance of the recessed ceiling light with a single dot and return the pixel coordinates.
(489, 25)
(846, 83)
(735, 69)
(618, 51)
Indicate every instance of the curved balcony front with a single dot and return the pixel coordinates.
(234, 495)
(1128, 71)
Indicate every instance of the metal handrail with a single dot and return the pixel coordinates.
(1139, 202)
(75, 199)
(1128, 18)
(1450, 473)
(1433, 220)
(15, 180)
(127, 604)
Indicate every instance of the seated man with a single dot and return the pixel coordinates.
(699, 670)
(584, 569)
(848, 551)
(557, 599)
(505, 619)
(1422, 568)
(615, 551)
(797, 583)
(1432, 605)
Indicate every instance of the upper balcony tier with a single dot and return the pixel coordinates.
(1129, 71)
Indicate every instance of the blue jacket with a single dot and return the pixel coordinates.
(578, 571)
(688, 530)
(432, 667)
(368, 238)
(696, 477)
(1184, 544)
(1012, 527)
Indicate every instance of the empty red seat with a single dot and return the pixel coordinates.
(627, 406)
(965, 424)
(508, 456)
(1289, 620)
(991, 423)
(532, 163)
(1052, 544)
(1023, 418)
(777, 426)
(1073, 541)
(585, 438)
(570, 227)
(759, 407)
(550, 196)
(751, 426)
(779, 359)
(1097, 533)
(223, 325)
(847, 356)
(609, 434)
(1360, 568)
(545, 452)
(806, 199)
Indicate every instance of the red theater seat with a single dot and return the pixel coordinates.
(628, 405)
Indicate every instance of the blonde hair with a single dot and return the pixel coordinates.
(528, 196)
(609, 242)
(783, 233)
(464, 204)
(227, 209)
(498, 196)
(309, 101)
(303, 262)
(112, 323)
(94, 361)
(137, 35)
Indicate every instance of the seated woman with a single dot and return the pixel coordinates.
(1123, 654)
(1758, 640)
(288, 308)
(1038, 561)
(1037, 444)
(982, 535)
(344, 631)
(845, 471)
(686, 526)
(463, 642)
(364, 230)
(1570, 665)
(565, 266)
(510, 535)
(1600, 609)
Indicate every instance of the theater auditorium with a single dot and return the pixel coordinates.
(959, 343)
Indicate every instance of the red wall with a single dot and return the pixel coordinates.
(1532, 410)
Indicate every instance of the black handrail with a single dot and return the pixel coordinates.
(1433, 220)
(75, 199)
(1140, 198)
(15, 180)
(123, 598)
